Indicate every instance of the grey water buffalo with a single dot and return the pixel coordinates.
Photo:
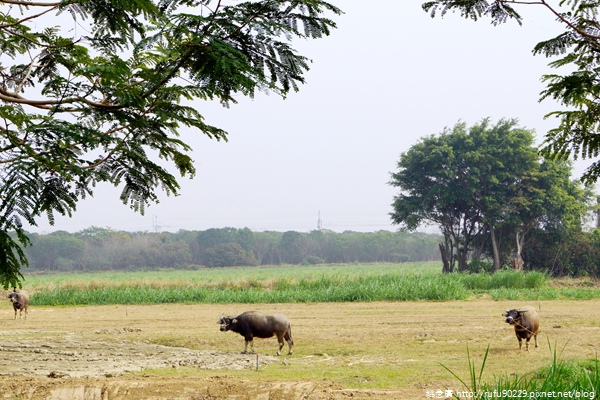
(20, 302)
(526, 322)
(251, 324)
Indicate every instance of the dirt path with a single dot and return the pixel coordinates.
(177, 351)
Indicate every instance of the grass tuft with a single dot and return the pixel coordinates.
(561, 379)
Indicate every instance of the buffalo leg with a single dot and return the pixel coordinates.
(290, 342)
(527, 343)
(251, 341)
(280, 342)
(248, 339)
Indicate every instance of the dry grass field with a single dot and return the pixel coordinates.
(342, 350)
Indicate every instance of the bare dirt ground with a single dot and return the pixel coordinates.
(342, 351)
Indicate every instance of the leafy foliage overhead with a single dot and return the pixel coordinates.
(576, 49)
(99, 90)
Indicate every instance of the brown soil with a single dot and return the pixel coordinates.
(177, 352)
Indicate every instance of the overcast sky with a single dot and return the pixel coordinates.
(387, 76)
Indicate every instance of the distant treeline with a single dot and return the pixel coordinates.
(106, 249)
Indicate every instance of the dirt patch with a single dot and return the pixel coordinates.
(125, 388)
(89, 353)
(70, 356)
(351, 350)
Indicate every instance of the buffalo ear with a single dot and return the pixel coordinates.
(505, 313)
(234, 321)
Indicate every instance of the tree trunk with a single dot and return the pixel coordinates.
(495, 249)
(446, 268)
(518, 259)
(463, 253)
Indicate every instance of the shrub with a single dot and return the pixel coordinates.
(479, 266)
(313, 260)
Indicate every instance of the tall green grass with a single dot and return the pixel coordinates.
(323, 289)
(281, 284)
(561, 379)
(503, 280)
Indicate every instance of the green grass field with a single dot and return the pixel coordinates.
(290, 284)
(408, 282)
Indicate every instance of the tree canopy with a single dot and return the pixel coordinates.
(101, 249)
(99, 90)
(481, 185)
(575, 51)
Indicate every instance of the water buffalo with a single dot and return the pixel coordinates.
(20, 302)
(251, 324)
(526, 322)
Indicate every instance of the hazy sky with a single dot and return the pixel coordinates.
(387, 76)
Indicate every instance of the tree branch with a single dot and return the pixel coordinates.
(27, 18)
(556, 13)
(34, 3)
(47, 104)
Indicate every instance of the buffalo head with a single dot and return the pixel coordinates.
(226, 323)
(513, 316)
